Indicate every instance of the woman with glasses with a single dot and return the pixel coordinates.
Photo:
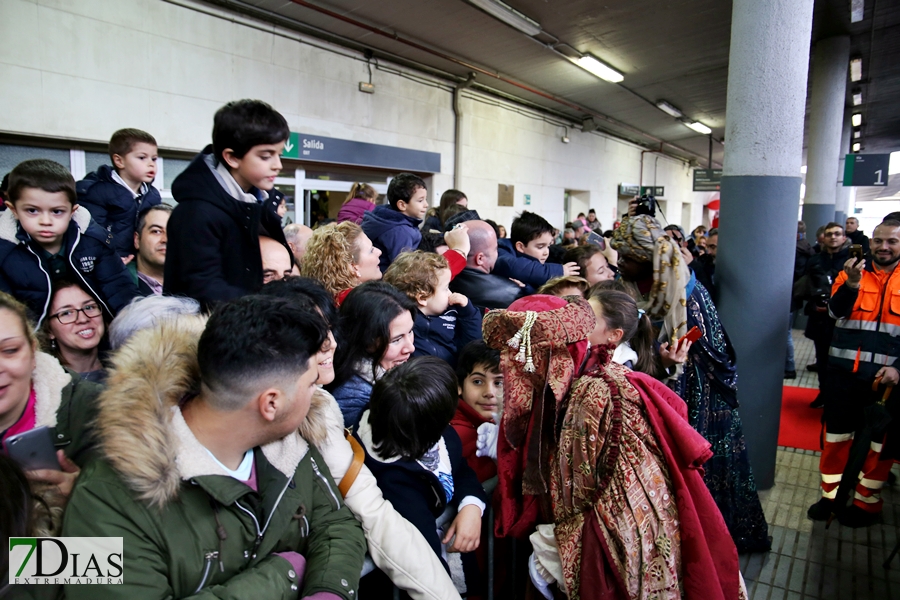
(74, 329)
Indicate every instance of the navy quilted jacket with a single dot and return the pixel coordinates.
(113, 207)
(91, 260)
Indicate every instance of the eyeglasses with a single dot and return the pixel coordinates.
(70, 315)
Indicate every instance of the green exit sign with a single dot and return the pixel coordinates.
(292, 146)
(657, 191)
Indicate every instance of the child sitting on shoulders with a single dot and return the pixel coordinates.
(524, 255)
(481, 401)
(394, 227)
(445, 321)
(416, 456)
(117, 194)
(46, 237)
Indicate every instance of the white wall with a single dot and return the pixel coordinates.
(82, 69)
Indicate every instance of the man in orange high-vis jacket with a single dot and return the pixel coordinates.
(865, 300)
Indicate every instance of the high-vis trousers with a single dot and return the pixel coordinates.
(836, 452)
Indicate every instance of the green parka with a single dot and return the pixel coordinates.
(189, 529)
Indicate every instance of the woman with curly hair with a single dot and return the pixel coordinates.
(341, 256)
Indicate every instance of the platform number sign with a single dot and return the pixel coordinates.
(866, 169)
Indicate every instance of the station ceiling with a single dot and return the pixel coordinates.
(672, 51)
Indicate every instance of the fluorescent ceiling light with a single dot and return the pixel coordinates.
(857, 10)
(857, 97)
(509, 15)
(593, 65)
(856, 119)
(669, 109)
(699, 127)
(856, 69)
(857, 134)
(803, 168)
(856, 146)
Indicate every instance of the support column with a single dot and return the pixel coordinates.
(831, 62)
(841, 193)
(767, 72)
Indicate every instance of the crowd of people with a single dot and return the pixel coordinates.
(328, 413)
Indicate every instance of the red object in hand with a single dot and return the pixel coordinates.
(692, 336)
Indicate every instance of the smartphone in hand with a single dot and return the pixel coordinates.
(856, 252)
(33, 449)
(692, 336)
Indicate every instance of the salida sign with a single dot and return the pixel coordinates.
(65, 560)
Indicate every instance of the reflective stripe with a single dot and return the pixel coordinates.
(878, 359)
(857, 325)
(830, 495)
(876, 447)
(849, 354)
(831, 478)
(861, 498)
(834, 438)
(871, 484)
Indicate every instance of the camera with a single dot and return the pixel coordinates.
(645, 205)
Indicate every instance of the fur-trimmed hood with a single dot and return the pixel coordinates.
(9, 224)
(48, 380)
(140, 427)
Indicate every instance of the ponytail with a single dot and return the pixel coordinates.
(363, 191)
(644, 344)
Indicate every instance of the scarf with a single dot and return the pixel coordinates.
(641, 238)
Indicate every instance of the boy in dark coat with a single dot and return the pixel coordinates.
(115, 195)
(524, 255)
(45, 236)
(213, 234)
(395, 228)
(417, 458)
(445, 321)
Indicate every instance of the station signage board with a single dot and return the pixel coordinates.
(317, 148)
(707, 180)
(866, 170)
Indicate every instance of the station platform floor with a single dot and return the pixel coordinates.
(808, 562)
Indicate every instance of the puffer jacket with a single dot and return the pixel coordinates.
(114, 207)
(91, 260)
(189, 529)
(446, 334)
(392, 232)
(354, 210)
(527, 269)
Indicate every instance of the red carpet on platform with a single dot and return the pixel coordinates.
(800, 424)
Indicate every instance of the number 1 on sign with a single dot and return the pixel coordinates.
(878, 180)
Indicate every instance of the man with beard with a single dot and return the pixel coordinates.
(821, 272)
(863, 358)
(147, 269)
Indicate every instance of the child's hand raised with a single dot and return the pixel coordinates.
(457, 299)
(571, 268)
(467, 529)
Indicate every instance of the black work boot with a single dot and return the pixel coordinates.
(856, 517)
(821, 510)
